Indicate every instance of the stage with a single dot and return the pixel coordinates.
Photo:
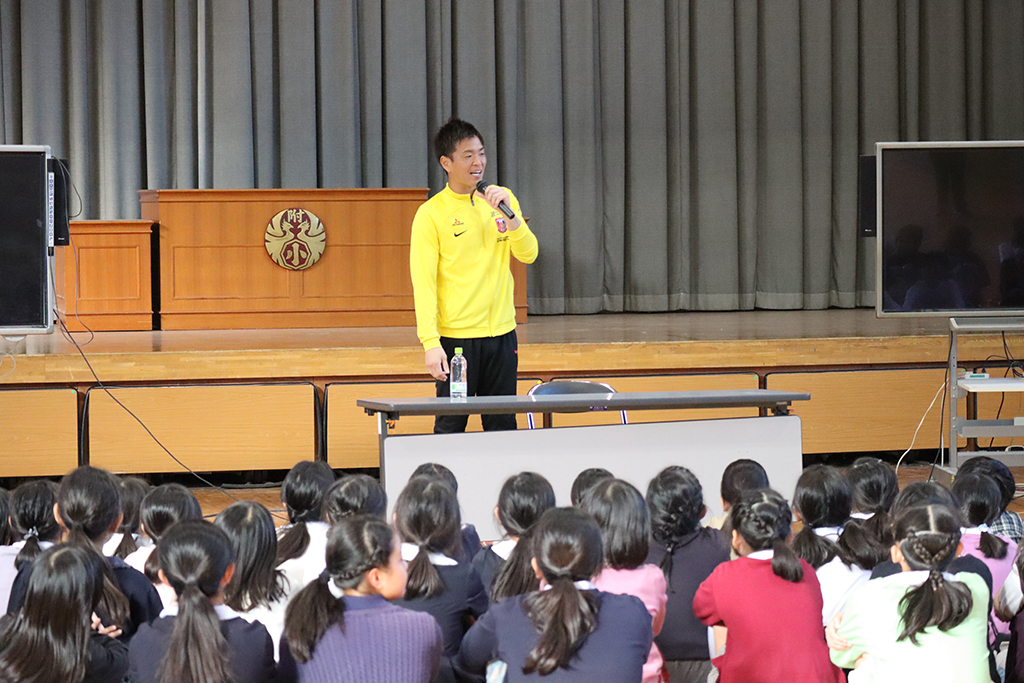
(261, 399)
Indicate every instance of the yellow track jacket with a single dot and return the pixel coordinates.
(459, 260)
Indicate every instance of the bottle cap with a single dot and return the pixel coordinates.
(458, 350)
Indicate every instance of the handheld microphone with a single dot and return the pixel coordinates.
(482, 186)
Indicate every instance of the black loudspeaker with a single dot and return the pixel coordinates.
(61, 203)
(867, 196)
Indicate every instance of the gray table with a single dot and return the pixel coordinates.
(483, 460)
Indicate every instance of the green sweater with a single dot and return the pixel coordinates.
(871, 623)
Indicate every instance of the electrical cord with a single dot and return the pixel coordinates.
(14, 361)
(106, 390)
(940, 390)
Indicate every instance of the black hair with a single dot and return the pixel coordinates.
(433, 469)
(427, 515)
(675, 501)
(979, 498)
(621, 514)
(585, 481)
(302, 494)
(355, 545)
(32, 517)
(567, 548)
(996, 469)
(453, 132)
(194, 556)
(524, 497)
(928, 537)
(162, 507)
(133, 490)
(355, 494)
(257, 581)
(762, 518)
(823, 498)
(874, 485)
(921, 493)
(874, 490)
(47, 640)
(5, 523)
(740, 476)
(89, 504)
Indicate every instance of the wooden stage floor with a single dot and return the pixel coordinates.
(605, 343)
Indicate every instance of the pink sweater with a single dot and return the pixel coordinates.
(646, 582)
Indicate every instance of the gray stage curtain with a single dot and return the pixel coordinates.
(671, 154)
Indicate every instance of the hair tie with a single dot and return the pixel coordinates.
(32, 533)
(935, 578)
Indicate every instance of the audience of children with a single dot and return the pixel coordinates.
(768, 601)
(32, 521)
(159, 510)
(616, 588)
(199, 639)
(301, 544)
(428, 521)
(621, 514)
(258, 590)
(923, 623)
(504, 567)
(345, 628)
(568, 630)
(687, 553)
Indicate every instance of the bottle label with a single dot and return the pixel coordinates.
(458, 388)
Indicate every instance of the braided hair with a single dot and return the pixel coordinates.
(355, 545)
(928, 538)
(675, 501)
(762, 518)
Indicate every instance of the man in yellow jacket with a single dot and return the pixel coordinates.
(462, 242)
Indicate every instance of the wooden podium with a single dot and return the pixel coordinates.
(216, 273)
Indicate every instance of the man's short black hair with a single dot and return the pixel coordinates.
(451, 134)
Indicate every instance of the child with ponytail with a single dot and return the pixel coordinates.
(301, 545)
(568, 630)
(922, 624)
(342, 629)
(354, 494)
(88, 511)
(53, 637)
(687, 553)
(504, 567)
(127, 539)
(621, 514)
(32, 520)
(199, 639)
(980, 505)
(874, 490)
(428, 521)
(768, 601)
(822, 501)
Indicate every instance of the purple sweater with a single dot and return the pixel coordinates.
(381, 642)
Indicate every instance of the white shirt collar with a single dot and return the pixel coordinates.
(975, 530)
(829, 532)
(762, 555)
(223, 612)
(862, 515)
(582, 585)
(410, 551)
(503, 548)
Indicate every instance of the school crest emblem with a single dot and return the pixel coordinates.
(501, 224)
(295, 239)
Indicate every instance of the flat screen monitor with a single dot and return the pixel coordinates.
(950, 236)
(26, 241)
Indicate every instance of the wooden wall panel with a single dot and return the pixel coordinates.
(209, 428)
(352, 434)
(38, 432)
(872, 410)
(109, 288)
(661, 383)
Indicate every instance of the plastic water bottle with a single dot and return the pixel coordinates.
(457, 377)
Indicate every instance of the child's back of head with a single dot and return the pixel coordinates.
(427, 516)
(302, 494)
(980, 505)
(355, 494)
(256, 581)
(762, 520)
(740, 476)
(32, 518)
(585, 481)
(132, 490)
(621, 513)
(524, 497)
(675, 501)
(822, 499)
(159, 510)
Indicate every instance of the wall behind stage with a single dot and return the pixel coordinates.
(672, 154)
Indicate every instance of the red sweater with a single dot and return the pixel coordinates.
(775, 633)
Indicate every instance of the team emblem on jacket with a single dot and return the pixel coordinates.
(295, 239)
(501, 224)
